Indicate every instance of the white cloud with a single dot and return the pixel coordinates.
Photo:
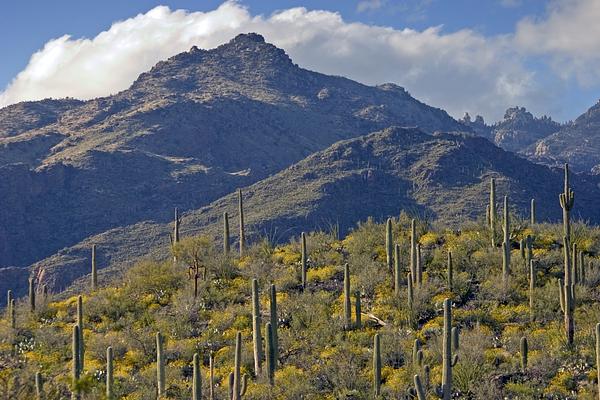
(569, 36)
(459, 71)
(369, 5)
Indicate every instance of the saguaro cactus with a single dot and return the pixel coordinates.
(175, 235)
(13, 314)
(9, 298)
(211, 376)
(80, 326)
(532, 276)
(241, 216)
(239, 382)
(506, 242)
(226, 243)
(448, 361)
(567, 199)
(31, 295)
(376, 365)
(110, 394)
(397, 272)
(524, 352)
(419, 279)
(304, 259)
(39, 386)
(449, 272)
(270, 353)
(160, 365)
(568, 292)
(492, 207)
(256, 326)
(75, 364)
(94, 269)
(421, 394)
(410, 291)
(389, 245)
(413, 251)
(347, 303)
(196, 379)
(274, 324)
(532, 212)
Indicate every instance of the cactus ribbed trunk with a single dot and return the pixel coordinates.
(447, 352)
(413, 251)
(531, 290)
(568, 295)
(80, 326)
(94, 269)
(110, 395)
(524, 347)
(376, 365)
(421, 395)
(256, 327)
(211, 376)
(397, 272)
(492, 207)
(160, 365)
(236, 395)
(226, 243)
(409, 291)
(75, 363)
(389, 245)
(241, 216)
(196, 379)
(506, 242)
(269, 353)
(532, 212)
(598, 356)
(274, 324)
(347, 303)
(13, 314)
(304, 259)
(39, 386)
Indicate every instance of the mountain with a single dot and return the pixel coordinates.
(187, 132)
(441, 176)
(577, 143)
(517, 131)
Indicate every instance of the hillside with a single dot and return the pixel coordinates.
(443, 177)
(577, 143)
(187, 132)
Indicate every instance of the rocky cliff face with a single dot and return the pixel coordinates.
(190, 130)
(577, 143)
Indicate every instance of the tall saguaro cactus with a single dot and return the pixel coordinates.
(304, 259)
(492, 208)
(389, 245)
(94, 269)
(376, 365)
(357, 311)
(532, 213)
(175, 235)
(270, 353)
(413, 251)
(80, 326)
(506, 242)
(567, 199)
(75, 364)
(238, 382)
(9, 297)
(524, 349)
(448, 361)
(242, 228)
(347, 303)
(274, 324)
(598, 356)
(110, 393)
(196, 379)
(13, 314)
(226, 243)
(397, 272)
(160, 365)
(568, 295)
(39, 386)
(532, 276)
(256, 326)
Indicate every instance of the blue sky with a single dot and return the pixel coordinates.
(541, 76)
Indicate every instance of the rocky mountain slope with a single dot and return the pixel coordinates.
(443, 176)
(517, 131)
(577, 143)
(187, 132)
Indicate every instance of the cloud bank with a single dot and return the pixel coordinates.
(459, 71)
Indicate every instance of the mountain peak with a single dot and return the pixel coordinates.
(248, 37)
